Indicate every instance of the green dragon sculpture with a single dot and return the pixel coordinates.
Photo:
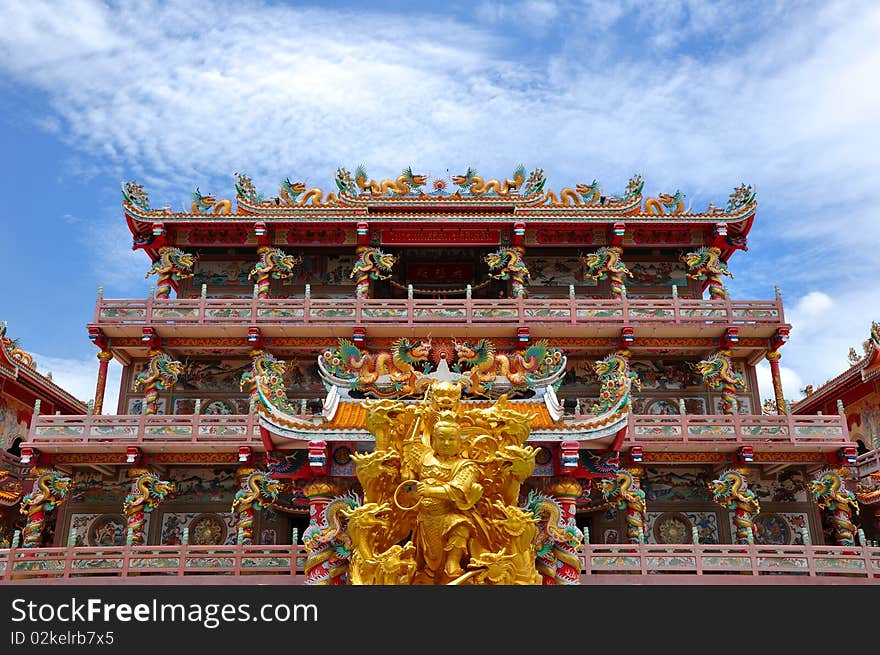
(328, 546)
(266, 367)
(624, 494)
(148, 491)
(407, 183)
(50, 490)
(173, 265)
(160, 374)
(522, 370)
(511, 266)
(372, 264)
(706, 263)
(616, 382)
(384, 374)
(718, 373)
(274, 264)
(558, 539)
(257, 492)
(665, 203)
(606, 263)
(829, 493)
(731, 491)
(473, 184)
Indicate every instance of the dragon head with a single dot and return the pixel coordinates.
(170, 367)
(385, 261)
(468, 353)
(162, 488)
(412, 180)
(466, 180)
(411, 351)
(269, 487)
(494, 259)
(692, 259)
(369, 516)
(286, 263)
(295, 188)
(60, 484)
(589, 190)
(727, 483)
(267, 364)
(203, 201)
(593, 261)
(711, 366)
(607, 366)
(826, 484)
(174, 259)
(608, 486)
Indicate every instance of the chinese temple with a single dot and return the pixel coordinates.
(856, 392)
(444, 381)
(23, 391)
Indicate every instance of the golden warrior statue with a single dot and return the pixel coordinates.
(449, 479)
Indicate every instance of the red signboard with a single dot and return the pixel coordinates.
(439, 272)
(435, 235)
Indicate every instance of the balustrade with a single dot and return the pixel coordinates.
(410, 311)
(189, 432)
(600, 563)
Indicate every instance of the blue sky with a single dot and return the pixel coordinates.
(697, 96)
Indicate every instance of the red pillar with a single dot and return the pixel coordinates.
(774, 357)
(323, 565)
(566, 491)
(104, 358)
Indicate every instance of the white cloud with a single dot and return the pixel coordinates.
(791, 383)
(79, 377)
(824, 329)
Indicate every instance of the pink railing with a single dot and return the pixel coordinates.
(184, 432)
(608, 563)
(149, 562)
(181, 432)
(856, 563)
(314, 311)
(694, 431)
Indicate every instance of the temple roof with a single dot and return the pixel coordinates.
(863, 369)
(18, 365)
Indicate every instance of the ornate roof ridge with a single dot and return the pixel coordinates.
(357, 194)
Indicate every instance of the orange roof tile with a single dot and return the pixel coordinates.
(351, 416)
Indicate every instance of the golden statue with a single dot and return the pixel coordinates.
(440, 494)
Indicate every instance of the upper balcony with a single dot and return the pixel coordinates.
(698, 438)
(545, 317)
